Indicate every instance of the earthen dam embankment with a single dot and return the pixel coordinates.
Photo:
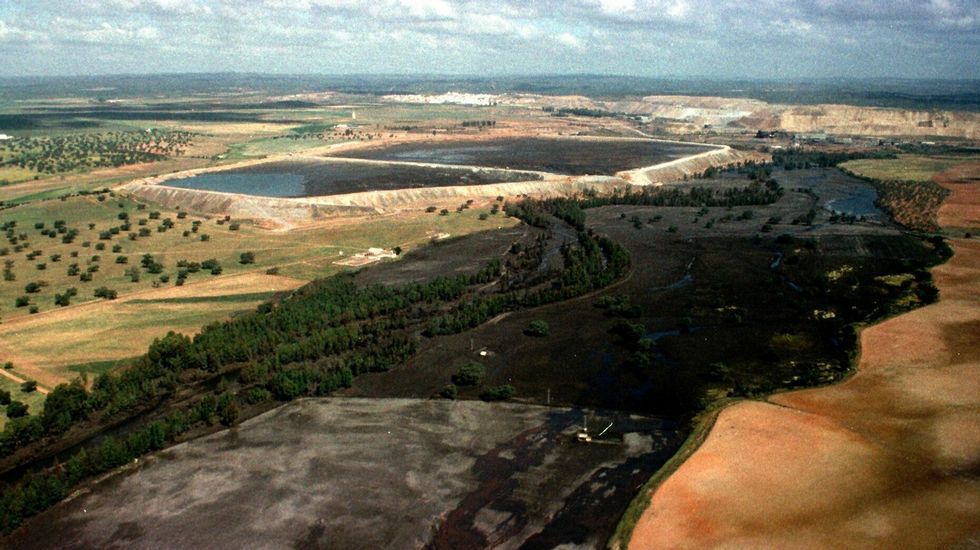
(156, 189)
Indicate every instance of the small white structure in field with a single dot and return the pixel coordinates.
(5, 137)
(372, 255)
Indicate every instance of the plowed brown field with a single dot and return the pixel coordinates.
(887, 459)
(961, 208)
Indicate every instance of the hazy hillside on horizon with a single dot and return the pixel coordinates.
(960, 95)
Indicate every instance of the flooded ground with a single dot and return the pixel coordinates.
(314, 178)
(374, 473)
(558, 155)
(838, 192)
(262, 184)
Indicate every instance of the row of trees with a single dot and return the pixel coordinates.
(590, 263)
(800, 159)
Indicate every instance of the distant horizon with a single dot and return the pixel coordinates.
(475, 76)
(915, 93)
(720, 39)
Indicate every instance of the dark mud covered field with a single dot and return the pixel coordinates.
(569, 156)
(314, 178)
(703, 295)
(454, 256)
(370, 473)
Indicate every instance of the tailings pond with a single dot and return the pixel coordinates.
(314, 178)
(570, 156)
(374, 473)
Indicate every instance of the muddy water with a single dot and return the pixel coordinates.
(262, 184)
(373, 473)
(313, 178)
(856, 201)
(624, 457)
(562, 156)
(843, 194)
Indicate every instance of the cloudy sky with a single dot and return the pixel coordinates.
(713, 38)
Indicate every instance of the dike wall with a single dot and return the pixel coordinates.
(377, 202)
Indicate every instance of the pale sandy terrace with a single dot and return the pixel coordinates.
(886, 459)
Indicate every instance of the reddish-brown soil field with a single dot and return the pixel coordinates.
(960, 208)
(886, 459)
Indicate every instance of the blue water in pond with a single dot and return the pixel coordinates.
(859, 201)
(260, 184)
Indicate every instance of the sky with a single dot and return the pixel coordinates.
(656, 38)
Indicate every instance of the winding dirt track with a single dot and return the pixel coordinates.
(887, 459)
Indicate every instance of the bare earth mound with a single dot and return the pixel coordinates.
(887, 459)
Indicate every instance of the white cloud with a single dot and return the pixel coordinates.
(678, 10)
(147, 33)
(569, 40)
(493, 24)
(171, 7)
(104, 33)
(756, 37)
(617, 7)
(9, 33)
(426, 9)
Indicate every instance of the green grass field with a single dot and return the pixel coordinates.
(15, 174)
(56, 192)
(294, 252)
(904, 168)
(34, 399)
(112, 332)
(263, 147)
(96, 368)
(57, 338)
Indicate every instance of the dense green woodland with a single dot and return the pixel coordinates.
(802, 158)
